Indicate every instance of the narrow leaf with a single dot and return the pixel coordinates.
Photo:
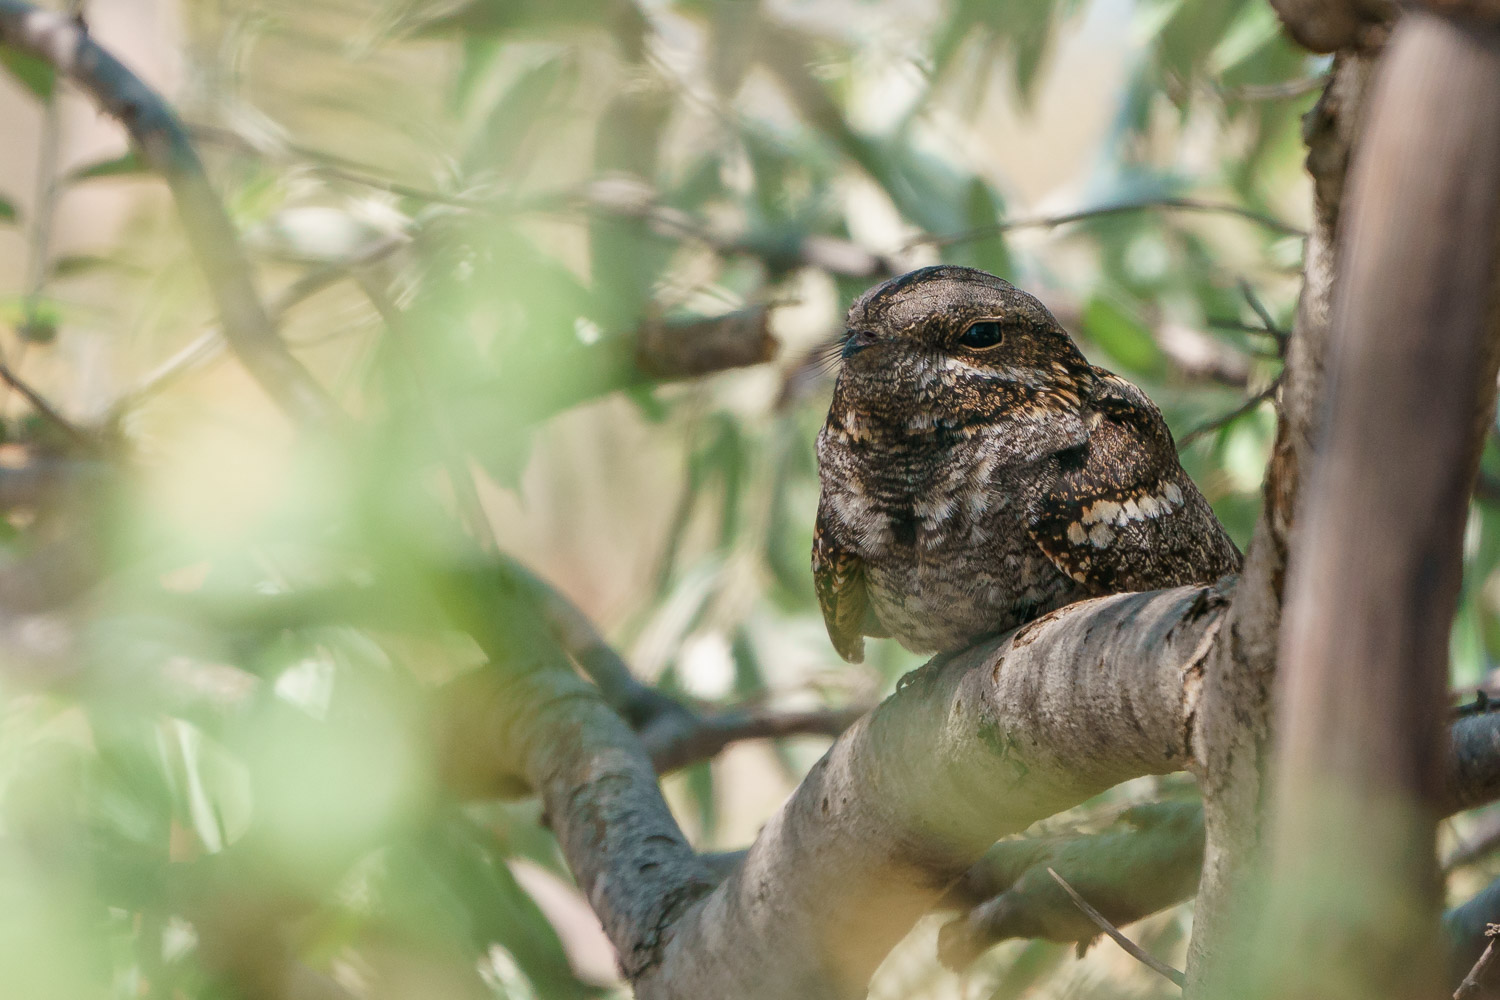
(129, 163)
(36, 75)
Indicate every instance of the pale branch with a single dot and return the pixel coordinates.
(547, 728)
(981, 744)
(65, 45)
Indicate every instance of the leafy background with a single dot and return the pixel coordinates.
(525, 186)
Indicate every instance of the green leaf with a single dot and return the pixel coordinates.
(33, 73)
(7, 211)
(529, 101)
(1127, 342)
(72, 265)
(129, 163)
(984, 207)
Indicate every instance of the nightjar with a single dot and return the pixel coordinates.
(977, 472)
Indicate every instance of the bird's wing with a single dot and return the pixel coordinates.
(1123, 515)
(839, 576)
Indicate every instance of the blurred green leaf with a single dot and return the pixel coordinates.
(126, 164)
(1124, 338)
(621, 19)
(31, 72)
(72, 265)
(525, 106)
(7, 211)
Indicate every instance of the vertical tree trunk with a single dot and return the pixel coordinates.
(1374, 580)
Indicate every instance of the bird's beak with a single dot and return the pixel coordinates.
(856, 341)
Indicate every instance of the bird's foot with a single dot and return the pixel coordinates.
(925, 673)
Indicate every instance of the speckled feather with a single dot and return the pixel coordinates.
(966, 491)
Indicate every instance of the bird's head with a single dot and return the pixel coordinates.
(945, 339)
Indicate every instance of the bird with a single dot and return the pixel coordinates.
(976, 472)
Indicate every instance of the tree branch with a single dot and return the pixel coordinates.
(982, 744)
(1148, 860)
(67, 47)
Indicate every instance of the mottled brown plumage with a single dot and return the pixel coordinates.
(978, 472)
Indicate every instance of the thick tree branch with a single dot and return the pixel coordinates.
(981, 744)
(549, 729)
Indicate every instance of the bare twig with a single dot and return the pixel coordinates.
(46, 409)
(65, 45)
(1483, 979)
(1275, 91)
(211, 343)
(1131, 948)
(1268, 324)
(1239, 411)
(678, 740)
(1146, 205)
(336, 166)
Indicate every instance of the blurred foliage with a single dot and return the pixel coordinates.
(208, 768)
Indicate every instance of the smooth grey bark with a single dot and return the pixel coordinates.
(1354, 896)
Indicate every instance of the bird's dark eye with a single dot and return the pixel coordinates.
(982, 336)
